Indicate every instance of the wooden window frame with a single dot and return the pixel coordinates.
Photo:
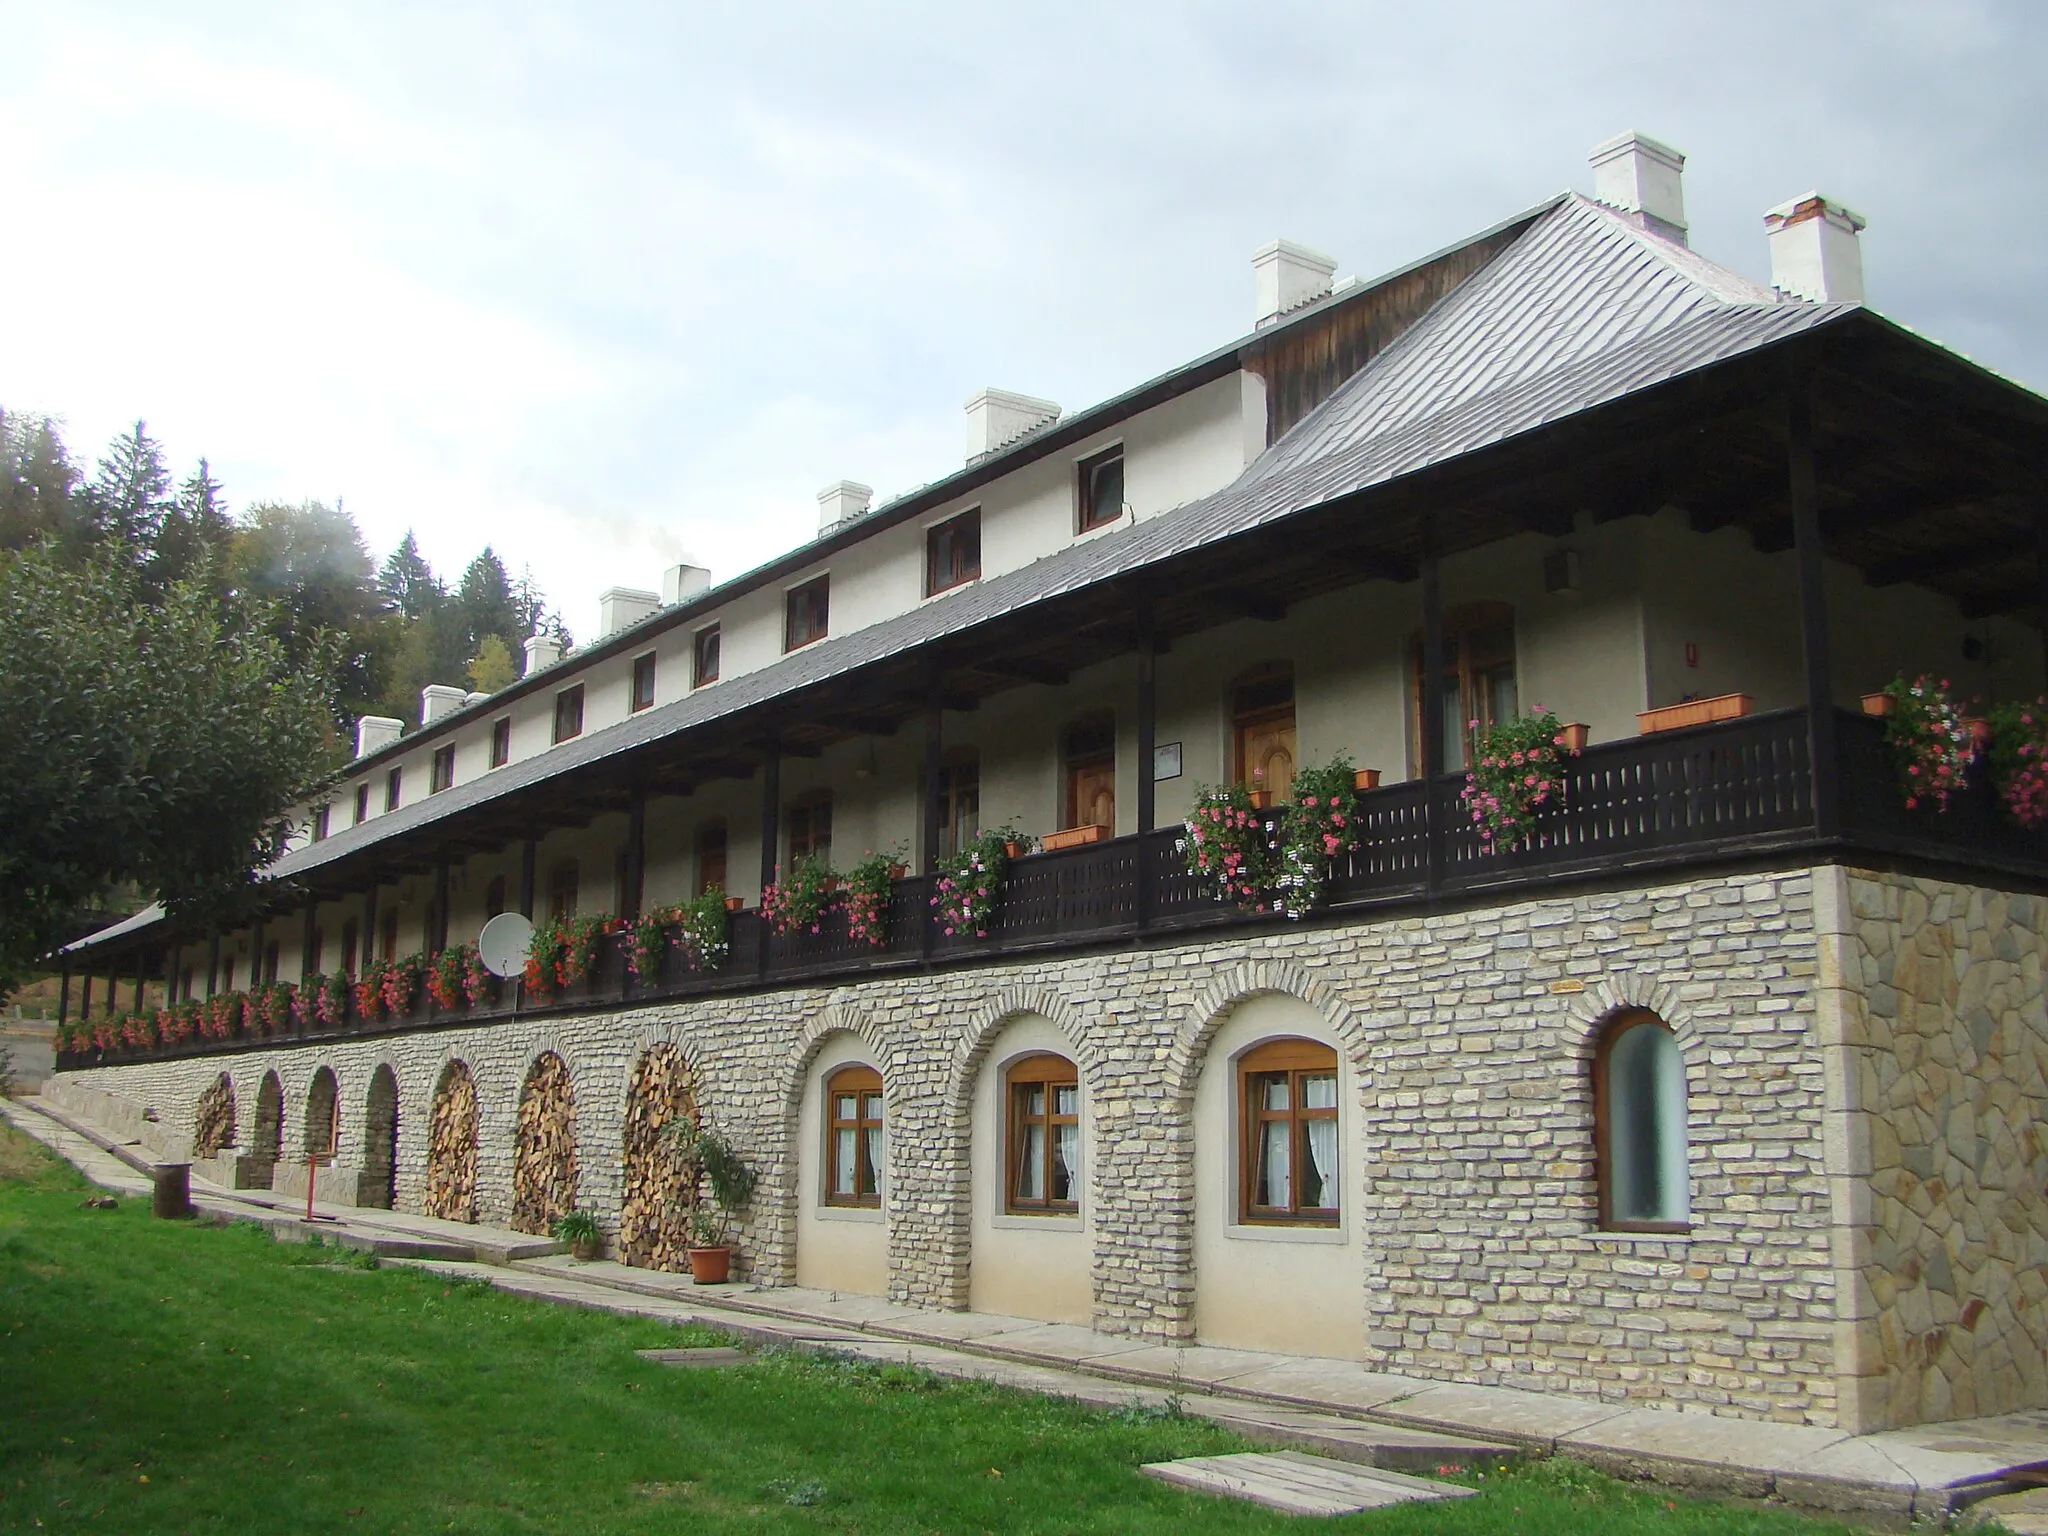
(1296, 1059)
(803, 812)
(1049, 1071)
(501, 741)
(394, 789)
(320, 822)
(387, 940)
(351, 939)
(641, 694)
(1603, 1157)
(1243, 720)
(1460, 625)
(959, 786)
(494, 897)
(701, 845)
(442, 771)
(1088, 513)
(860, 1080)
(950, 538)
(704, 648)
(569, 713)
(362, 803)
(1073, 763)
(814, 599)
(564, 875)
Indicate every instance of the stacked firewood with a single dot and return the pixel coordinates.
(451, 1147)
(214, 1123)
(654, 1217)
(544, 1166)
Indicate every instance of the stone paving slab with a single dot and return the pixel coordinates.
(1533, 1419)
(694, 1359)
(1311, 1383)
(1298, 1484)
(1741, 1455)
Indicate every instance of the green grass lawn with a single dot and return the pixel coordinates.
(169, 1376)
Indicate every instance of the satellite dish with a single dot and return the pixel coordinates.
(503, 944)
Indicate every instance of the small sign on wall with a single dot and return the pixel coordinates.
(1166, 760)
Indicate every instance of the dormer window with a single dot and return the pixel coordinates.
(1101, 489)
(569, 713)
(808, 613)
(952, 553)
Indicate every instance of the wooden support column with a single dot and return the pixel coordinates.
(636, 854)
(309, 933)
(771, 817)
(141, 960)
(369, 944)
(63, 990)
(1148, 786)
(2041, 578)
(213, 963)
(1432, 707)
(1813, 609)
(85, 998)
(438, 939)
(932, 785)
(256, 975)
(529, 859)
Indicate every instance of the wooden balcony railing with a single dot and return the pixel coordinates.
(1737, 789)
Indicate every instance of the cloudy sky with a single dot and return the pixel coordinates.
(605, 285)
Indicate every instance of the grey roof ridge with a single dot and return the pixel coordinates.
(931, 494)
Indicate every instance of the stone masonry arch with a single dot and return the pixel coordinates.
(452, 1145)
(544, 1161)
(652, 1208)
(213, 1121)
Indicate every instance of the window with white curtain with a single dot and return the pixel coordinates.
(1639, 1125)
(1044, 1137)
(1288, 1118)
(854, 1130)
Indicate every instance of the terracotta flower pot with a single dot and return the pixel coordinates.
(1014, 850)
(1879, 704)
(735, 903)
(1366, 778)
(898, 871)
(1980, 733)
(585, 1248)
(1573, 737)
(1262, 799)
(710, 1266)
(1073, 837)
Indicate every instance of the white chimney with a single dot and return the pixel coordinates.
(542, 650)
(1286, 276)
(1815, 252)
(438, 699)
(840, 502)
(618, 607)
(476, 697)
(376, 732)
(1636, 174)
(680, 583)
(996, 418)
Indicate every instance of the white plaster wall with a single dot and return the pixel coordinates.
(1292, 1289)
(1027, 1266)
(838, 1248)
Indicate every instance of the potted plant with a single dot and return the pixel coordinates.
(709, 1165)
(1227, 842)
(580, 1231)
(968, 883)
(797, 904)
(647, 940)
(2019, 760)
(1932, 743)
(1317, 827)
(479, 986)
(701, 930)
(401, 983)
(1517, 770)
(444, 977)
(868, 888)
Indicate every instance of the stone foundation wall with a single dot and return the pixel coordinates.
(1471, 1036)
(1936, 995)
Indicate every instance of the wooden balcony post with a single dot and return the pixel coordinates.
(1148, 787)
(1432, 707)
(309, 933)
(438, 939)
(141, 959)
(933, 786)
(256, 977)
(1813, 609)
(771, 816)
(529, 859)
(369, 944)
(85, 998)
(63, 990)
(213, 963)
(636, 853)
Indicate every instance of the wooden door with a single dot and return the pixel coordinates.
(1091, 793)
(1265, 752)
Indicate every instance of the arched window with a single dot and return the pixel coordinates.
(1639, 1127)
(1043, 1137)
(1478, 678)
(1287, 1113)
(853, 1137)
(1262, 754)
(1088, 758)
(323, 1114)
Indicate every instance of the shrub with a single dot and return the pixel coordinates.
(868, 887)
(969, 883)
(1316, 828)
(1517, 770)
(701, 931)
(445, 974)
(1930, 740)
(2019, 760)
(1227, 841)
(400, 983)
(797, 904)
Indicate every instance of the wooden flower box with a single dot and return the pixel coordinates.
(1072, 837)
(1878, 704)
(1016, 850)
(1672, 717)
(1365, 778)
(1573, 737)
(1262, 799)
(735, 903)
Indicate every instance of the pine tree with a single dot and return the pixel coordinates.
(196, 533)
(130, 495)
(486, 604)
(409, 583)
(38, 482)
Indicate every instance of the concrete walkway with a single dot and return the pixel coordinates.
(1333, 1407)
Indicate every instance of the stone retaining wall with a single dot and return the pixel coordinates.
(1471, 1035)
